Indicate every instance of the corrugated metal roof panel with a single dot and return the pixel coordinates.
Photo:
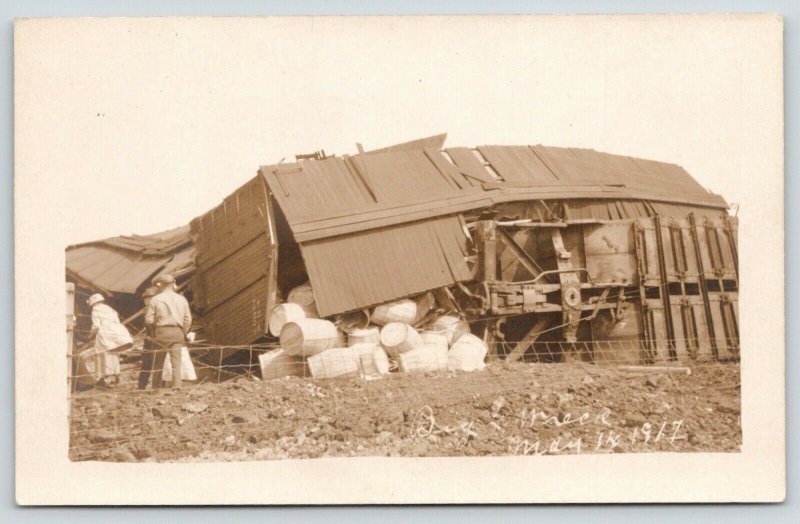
(314, 188)
(157, 243)
(401, 175)
(451, 173)
(355, 271)
(471, 168)
(569, 167)
(586, 166)
(181, 263)
(338, 196)
(112, 270)
(124, 264)
(518, 164)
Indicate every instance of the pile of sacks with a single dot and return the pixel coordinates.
(407, 335)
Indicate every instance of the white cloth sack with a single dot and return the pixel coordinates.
(187, 368)
(99, 363)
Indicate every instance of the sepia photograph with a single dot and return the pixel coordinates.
(384, 240)
(416, 300)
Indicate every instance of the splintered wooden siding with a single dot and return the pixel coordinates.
(235, 266)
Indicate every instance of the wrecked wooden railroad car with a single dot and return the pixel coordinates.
(121, 268)
(549, 253)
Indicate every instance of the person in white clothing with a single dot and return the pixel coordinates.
(110, 338)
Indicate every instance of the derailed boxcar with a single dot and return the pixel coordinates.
(548, 253)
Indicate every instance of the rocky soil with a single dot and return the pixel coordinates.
(505, 409)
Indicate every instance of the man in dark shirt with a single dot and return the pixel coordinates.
(149, 349)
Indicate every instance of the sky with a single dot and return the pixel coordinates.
(140, 125)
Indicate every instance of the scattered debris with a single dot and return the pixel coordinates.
(122, 455)
(635, 419)
(659, 381)
(244, 417)
(656, 369)
(726, 406)
(102, 436)
(164, 412)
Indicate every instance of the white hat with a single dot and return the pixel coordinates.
(94, 299)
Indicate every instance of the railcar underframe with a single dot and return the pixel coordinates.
(645, 290)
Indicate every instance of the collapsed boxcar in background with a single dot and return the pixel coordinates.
(120, 268)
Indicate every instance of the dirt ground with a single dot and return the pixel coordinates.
(505, 409)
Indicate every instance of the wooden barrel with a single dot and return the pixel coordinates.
(467, 354)
(424, 358)
(397, 337)
(310, 336)
(283, 314)
(334, 363)
(354, 320)
(404, 311)
(425, 304)
(346, 361)
(277, 364)
(374, 364)
(370, 335)
(435, 338)
(304, 295)
(450, 326)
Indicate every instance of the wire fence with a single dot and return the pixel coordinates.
(327, 358)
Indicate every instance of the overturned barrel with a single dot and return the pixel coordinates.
(467, 354)
(309, 336)
(397, 337)
(404, 311)
(435, 339)
(374, 364)
(425, 303)
(450, 326)
(424, 358)
(370, 335)
(351, 361)
(304, 296)
(282, 314)
(278, 364)
(358, 319)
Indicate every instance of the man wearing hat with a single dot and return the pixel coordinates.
(149, 353)
(169, 317)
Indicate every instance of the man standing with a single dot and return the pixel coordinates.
(149, 349)
(170, 319)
